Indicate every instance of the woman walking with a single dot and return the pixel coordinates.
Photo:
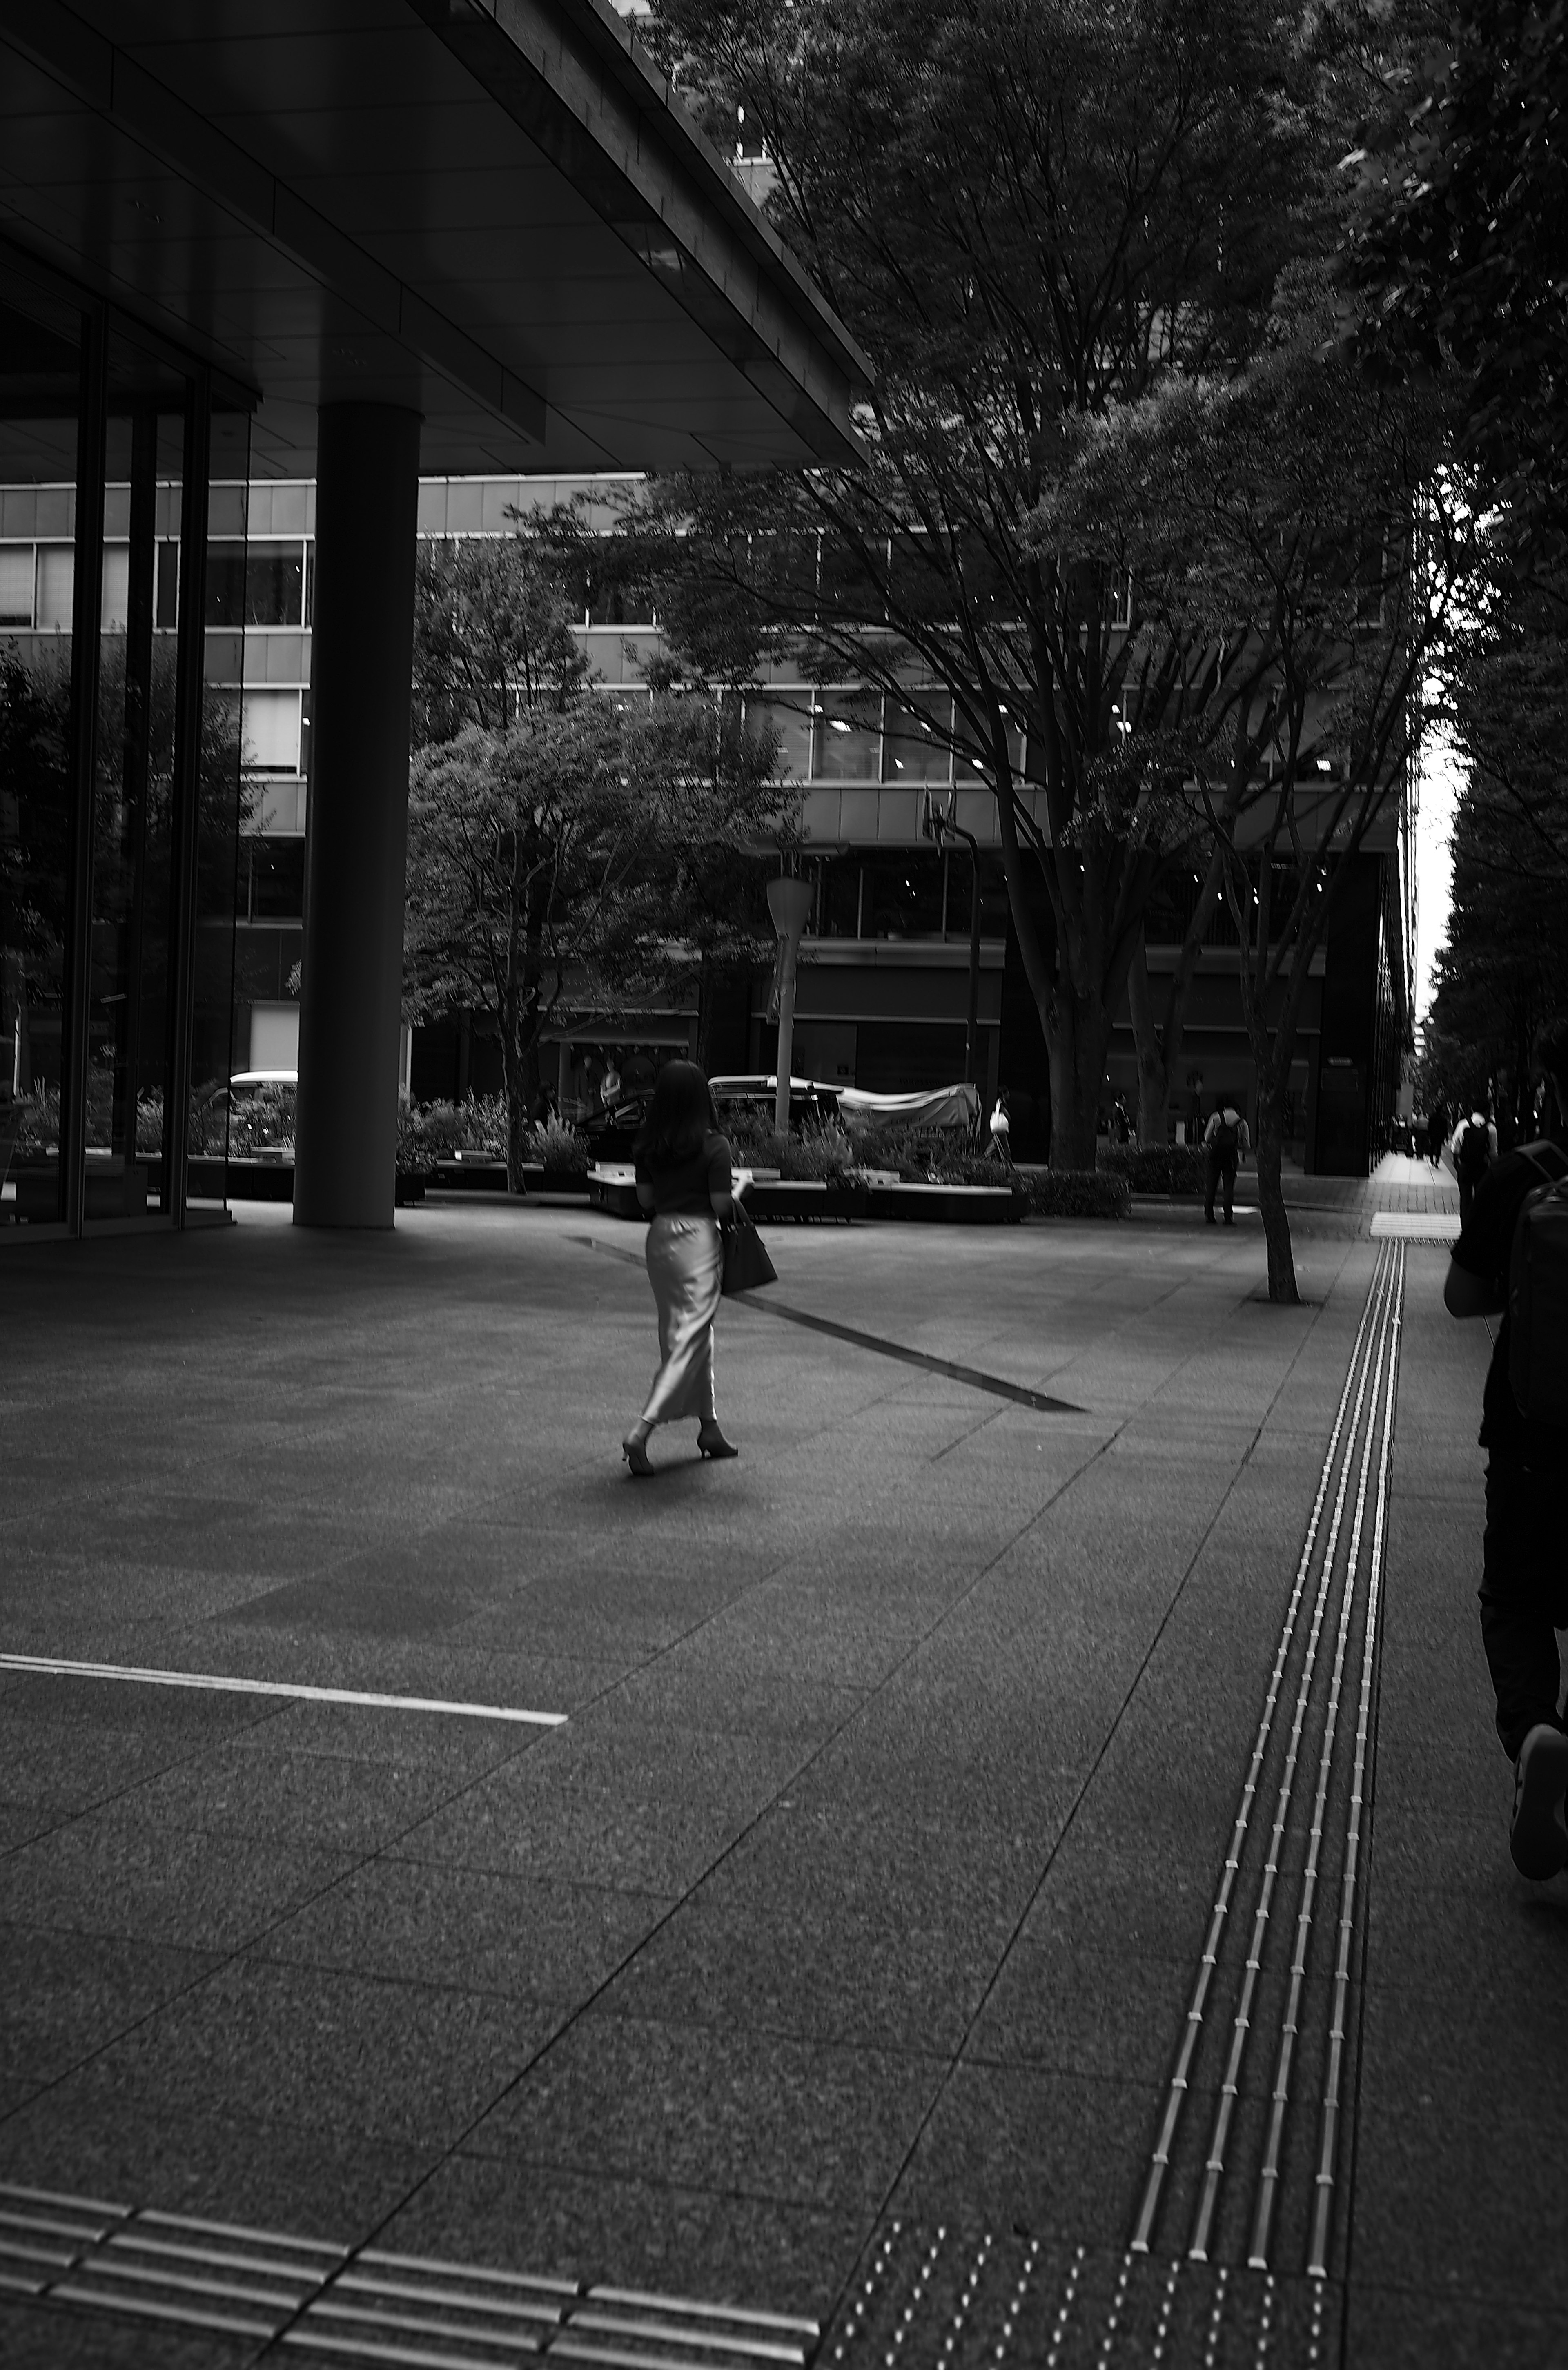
(683, 1179)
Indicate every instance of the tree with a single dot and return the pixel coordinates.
(1505, 967)
(1028, 211)
(1292, 521)
(568, 845)
(1456, 256)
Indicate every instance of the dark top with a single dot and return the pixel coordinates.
(1485, 1247)
(686, 1189)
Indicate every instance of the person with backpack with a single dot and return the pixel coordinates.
(1226, 1143)
(1512, 1257)
(1474, 1148)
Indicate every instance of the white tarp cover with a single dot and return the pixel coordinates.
(942, 1106)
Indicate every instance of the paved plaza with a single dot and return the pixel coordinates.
(1020, 1843)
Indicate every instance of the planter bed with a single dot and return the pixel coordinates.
(805, 1200)
(947, 1205)
(613, 1190)
(556, 1180)
(210, 1177)
(473, 1175)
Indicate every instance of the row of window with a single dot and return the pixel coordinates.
(256, 584)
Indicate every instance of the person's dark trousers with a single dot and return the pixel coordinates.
(1211, 1179)
(1466, 1202)
(1228, 1181)
(1524, 1598)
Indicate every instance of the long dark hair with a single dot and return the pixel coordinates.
(680, 1117)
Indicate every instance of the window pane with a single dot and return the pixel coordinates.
(16, 584)
(56, 587)
(277, 878)
(788, 717)
(39, 367)
(274, 584)
(903, 895)
(225, 583)
(271, 732)
(132, 834)
(917, 748)
(837, 910)
(849, 736)
(115, 587)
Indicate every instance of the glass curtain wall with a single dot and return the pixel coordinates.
(120, 769)
(133, 786)
(225, 810)
(41, 382)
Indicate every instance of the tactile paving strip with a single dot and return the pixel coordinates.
(945, 2298)
(324, 2301)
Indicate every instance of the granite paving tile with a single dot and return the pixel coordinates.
(1396, 2328)
(750, 2114)
(110, 1876)
(1039, 2152)
(763, 2254)
(474, 1929)
(317, 1799)
(65, 1996)
(815, 1968)
(403, 2066)
(1071, 2010)
(51, 2337)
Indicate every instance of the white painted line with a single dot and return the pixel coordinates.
(51, 1665)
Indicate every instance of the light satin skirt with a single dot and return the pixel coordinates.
(686, 1267)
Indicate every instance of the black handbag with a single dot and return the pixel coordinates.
(746, 1263)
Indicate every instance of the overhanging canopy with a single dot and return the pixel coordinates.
(493, 212)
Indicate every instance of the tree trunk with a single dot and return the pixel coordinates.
(1154, 1074)
(518, 1104)
(1271, 1196)
(1075, 1036)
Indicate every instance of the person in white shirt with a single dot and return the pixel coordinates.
(1226, 1143)
(1000, 1147)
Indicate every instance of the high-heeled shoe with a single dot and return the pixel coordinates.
(634, 1453)
(712, 1442)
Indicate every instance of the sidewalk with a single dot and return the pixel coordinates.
(861, 1895)
(1397, 1187)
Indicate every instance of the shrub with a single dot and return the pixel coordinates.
(822, 1154)
(432, 1131)
(1167, 1169)
(265, 1117)
(932, 1155)
(38, 1122)
(556, 1145)
(1078, 1193)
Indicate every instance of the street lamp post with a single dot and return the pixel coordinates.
(937, 823)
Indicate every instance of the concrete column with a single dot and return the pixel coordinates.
(363, 636)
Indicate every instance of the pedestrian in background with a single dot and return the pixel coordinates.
(1226, 1143)
(683, 1164)
(1524, 1589)
(1436, 1129)
(1474, 1148)
(1000, 1147)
